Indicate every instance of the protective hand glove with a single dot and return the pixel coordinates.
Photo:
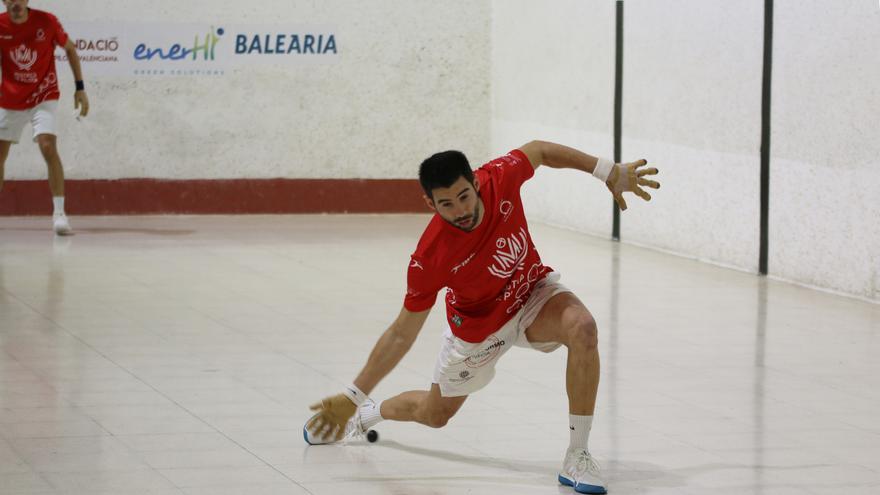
(627, 177)
(332, 413)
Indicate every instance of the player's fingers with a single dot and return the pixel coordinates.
(315, 423)
(648, 171)
(324, 429)
(317, 406)
(332, 431)
(642, 194)
(621, 203)
(649, 183)
(85, 108)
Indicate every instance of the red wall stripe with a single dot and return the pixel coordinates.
(225, 196)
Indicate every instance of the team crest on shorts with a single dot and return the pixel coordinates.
(463, 377)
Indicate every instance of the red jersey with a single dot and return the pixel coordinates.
(27, 59)
(489, 273)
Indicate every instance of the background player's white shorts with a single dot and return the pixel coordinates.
(463, 367)
(42, 117)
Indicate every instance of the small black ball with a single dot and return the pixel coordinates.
(372, 436)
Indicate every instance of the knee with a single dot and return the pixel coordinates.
(439, 419)
(582, 331)
(47, 147)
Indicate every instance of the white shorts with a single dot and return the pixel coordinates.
(463, 367)
(41, 117)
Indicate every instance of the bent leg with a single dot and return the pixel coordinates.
(566, 320)
(429, 408)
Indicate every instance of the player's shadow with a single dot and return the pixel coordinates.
(640, 473)
(471, 460)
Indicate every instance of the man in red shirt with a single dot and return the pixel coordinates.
(29, 91)
(499, 294)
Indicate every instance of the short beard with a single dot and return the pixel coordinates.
(477, 215)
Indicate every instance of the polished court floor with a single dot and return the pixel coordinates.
(178, 355)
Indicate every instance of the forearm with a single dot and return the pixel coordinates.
(387, 352)
(559, 156)
(75, 65)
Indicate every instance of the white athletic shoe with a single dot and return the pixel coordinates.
(60, 224)
(581, 472)
(354, 429)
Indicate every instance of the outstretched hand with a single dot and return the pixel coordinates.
(627, 177)
(81, 103)
(332, 413)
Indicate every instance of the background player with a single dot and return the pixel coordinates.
(29, 91)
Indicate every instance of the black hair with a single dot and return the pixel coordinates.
(443, 169)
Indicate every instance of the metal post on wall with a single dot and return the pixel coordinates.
(618, 106)
(765, 136)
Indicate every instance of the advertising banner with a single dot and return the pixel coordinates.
(170, 49)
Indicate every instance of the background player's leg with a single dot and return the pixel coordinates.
(49, 149)
(429, 408)
(4, 152)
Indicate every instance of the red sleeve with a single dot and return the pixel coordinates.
(512, 169)
(61, 36)
(421, 289)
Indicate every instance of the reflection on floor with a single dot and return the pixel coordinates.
(178, 355)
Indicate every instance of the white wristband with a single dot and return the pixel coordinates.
(354, 394)
(603, 169)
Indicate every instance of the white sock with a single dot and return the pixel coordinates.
(58, 201)
(579, 431)
(371, 416)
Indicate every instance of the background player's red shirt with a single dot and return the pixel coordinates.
(27, 59)
(489, 272)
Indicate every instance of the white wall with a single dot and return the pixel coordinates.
(692, 106)
(412, 79)
(553, 79)
(824, 189)
(692, 86)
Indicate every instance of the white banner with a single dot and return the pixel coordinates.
(168, 49)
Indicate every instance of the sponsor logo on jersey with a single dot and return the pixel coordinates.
(461, 265)
(510, 255)
(23, 57)
(506, 208)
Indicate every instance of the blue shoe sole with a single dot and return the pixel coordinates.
(582, 487)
